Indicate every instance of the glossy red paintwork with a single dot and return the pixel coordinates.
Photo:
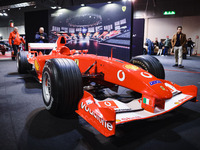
(117, 72)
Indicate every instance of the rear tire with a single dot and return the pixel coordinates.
(22, 63)
(62, 86)
(3, 53)
(150, 64)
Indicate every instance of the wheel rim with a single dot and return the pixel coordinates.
(46, 85)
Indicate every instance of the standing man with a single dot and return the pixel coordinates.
(15, 40)
(167, 46)
(41, 36)
(178, 42)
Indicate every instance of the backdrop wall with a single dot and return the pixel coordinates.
(162, 27)
(96, 27)
(5, 31)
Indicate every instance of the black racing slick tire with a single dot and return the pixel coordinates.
(3, 52)
(62, 86)
(23, 66)
(150, 64)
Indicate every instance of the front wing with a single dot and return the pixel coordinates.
(104, 115)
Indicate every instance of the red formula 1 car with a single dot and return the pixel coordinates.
(112, 34)
(74, 81)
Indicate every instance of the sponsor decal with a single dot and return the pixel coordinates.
(119, 61)
(162, 88)
(76, 61)
(147, 101)
(37, 67)
(121, 75)
(154, 82)
(110, 104)
(183, 99)
(130, 118)
(132, 67)
(88, 102)
(118, 120)
(146, 75)
(104, 123)
(171, 88)
(176, 103)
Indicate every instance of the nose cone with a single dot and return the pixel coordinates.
(162, 92)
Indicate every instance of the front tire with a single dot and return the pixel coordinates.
(61, 86)
(150, 64)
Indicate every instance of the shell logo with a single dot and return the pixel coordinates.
(132, 67)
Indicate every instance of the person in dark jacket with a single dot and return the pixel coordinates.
(160, 48)
(190, 45)
(41, 36)
(167, 46)
(150, 45)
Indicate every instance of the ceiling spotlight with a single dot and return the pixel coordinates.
(82, 5)
(124, 0)
(8, 9)
(5, 14)
(19, 8)
(35, 7)
(109, 2)
(53, 7)
(59, 7)
(1, 14)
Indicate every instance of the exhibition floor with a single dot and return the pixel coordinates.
(26, 125)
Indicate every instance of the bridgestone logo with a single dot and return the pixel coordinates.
(104, 123)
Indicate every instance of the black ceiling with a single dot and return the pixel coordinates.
(153, 8)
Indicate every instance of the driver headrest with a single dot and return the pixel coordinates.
(64, 50)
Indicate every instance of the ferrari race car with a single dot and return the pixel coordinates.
(74, 81)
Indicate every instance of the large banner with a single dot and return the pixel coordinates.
(96, 27)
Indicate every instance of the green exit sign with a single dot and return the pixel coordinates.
(169, 13)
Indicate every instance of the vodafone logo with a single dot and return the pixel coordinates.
(146, 75)
(121, 75)
(105, 124)
(107, 103)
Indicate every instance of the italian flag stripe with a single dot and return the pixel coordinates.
(146, 101)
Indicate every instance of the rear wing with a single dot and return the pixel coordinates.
(41, 46)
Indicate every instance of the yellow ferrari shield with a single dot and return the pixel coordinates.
(123, 8)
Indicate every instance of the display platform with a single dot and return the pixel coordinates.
(25, 123)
